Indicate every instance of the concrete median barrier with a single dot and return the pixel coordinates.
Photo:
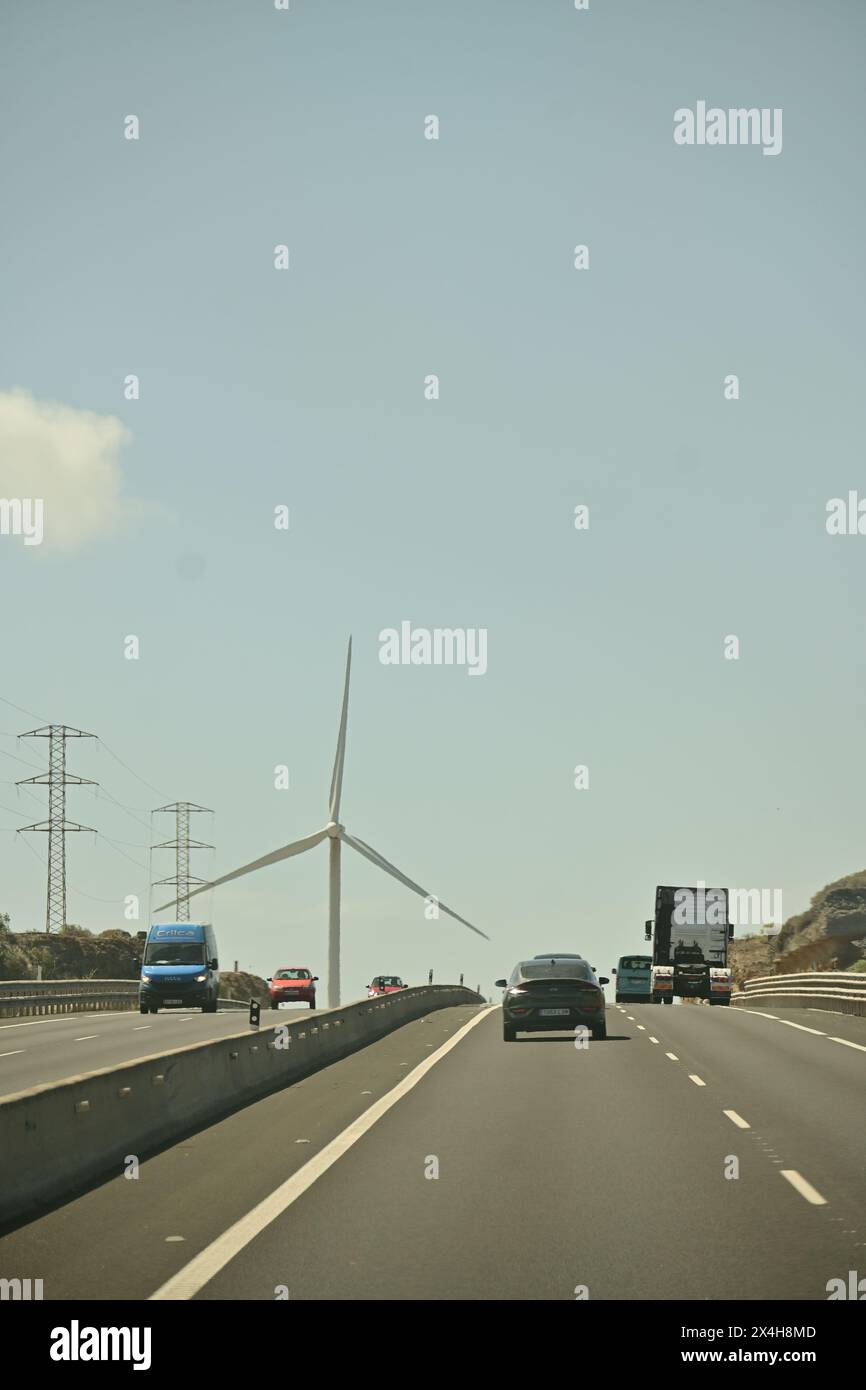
(55, 1139)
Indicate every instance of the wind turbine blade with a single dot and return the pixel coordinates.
(337, 774)
(287, 852)
(382, 863)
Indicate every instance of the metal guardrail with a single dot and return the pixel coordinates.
(839, 991)
(34, 988)
(26, 997)
(853, 979)
(23, 998)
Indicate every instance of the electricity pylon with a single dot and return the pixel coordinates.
(57, 826)
(182, 844)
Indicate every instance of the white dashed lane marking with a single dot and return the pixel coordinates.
(805, 1189)
(737, 1119)
(697, 1080)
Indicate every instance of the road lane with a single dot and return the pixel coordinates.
(558, 1169)
(44, 1050)
(113, 1241)
(803, 1095)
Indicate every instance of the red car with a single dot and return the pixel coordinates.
(292, 984)
(384, 984)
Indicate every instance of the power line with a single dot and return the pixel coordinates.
(114, 845)
(26, 761)
(72, 888)
(118, 759)
(130, 844)
(128, 809)
(21, 710)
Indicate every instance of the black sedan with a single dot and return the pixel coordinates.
(553, 995)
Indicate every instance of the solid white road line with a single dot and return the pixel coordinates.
(837, 1013)
(737, 1119)
(805, 1189)
(188, 1281)
(88, 1037)
(846, 1042)
(673, 1056)
(16, 1053)
(697, 1080)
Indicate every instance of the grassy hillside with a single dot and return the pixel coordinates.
(829, 935)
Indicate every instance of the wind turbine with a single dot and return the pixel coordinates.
(336, 834)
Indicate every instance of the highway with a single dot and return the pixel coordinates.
(37, 1051)
(559, 1169)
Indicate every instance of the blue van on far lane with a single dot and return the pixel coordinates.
(634, 979)
(179, 968)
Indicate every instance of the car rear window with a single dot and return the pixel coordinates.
(558, 970)
(635, 963)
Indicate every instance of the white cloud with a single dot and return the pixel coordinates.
(68, 457)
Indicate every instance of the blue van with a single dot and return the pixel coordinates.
(634, 979)
(179, 969)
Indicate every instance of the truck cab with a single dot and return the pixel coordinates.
(690, 934)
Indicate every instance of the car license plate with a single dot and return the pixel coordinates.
(548, 1013)
(283, 1004)
(172, 1001)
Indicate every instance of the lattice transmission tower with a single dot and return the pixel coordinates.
(182, 845)
(57, 827)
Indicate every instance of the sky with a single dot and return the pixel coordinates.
(304, 387)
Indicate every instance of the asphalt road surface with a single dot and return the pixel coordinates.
(36, 1051)
(509, 1171)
